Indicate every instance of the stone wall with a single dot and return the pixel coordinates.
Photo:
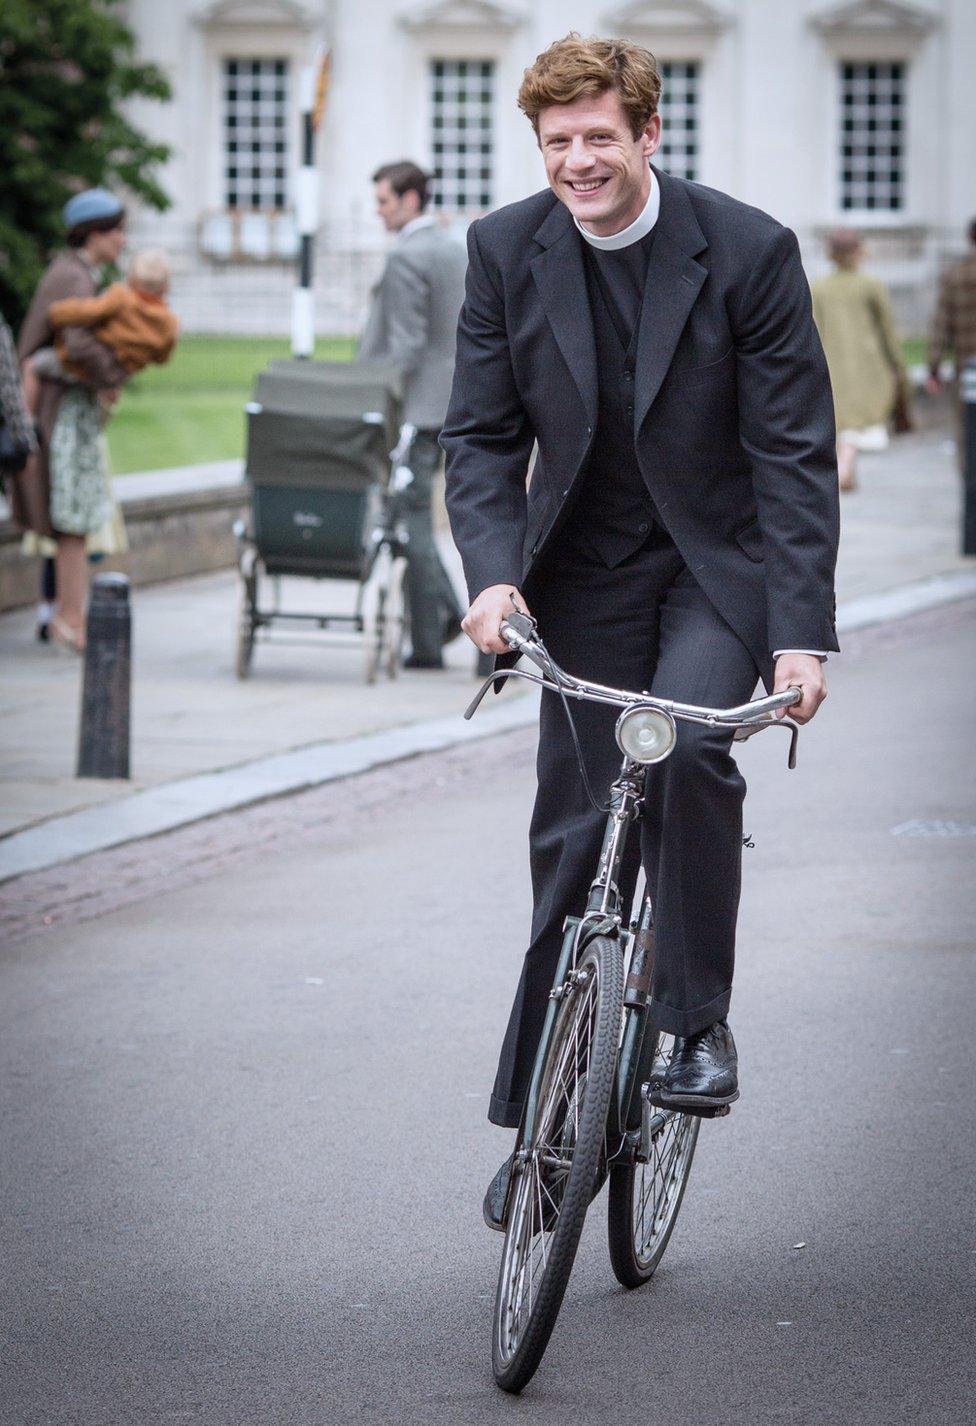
(171, 534)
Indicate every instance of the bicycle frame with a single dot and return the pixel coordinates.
(631, 1122)
(604, 917)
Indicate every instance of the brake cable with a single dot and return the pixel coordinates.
(554, 674)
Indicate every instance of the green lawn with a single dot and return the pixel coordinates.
(192, 409)
(916, 350)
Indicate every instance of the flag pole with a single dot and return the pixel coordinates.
(313, 91)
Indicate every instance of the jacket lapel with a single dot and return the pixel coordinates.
(674, 280)
(561, 281)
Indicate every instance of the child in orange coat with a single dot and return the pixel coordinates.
(131, 318)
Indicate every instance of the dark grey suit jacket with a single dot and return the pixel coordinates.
(413, 320)
(733, 419)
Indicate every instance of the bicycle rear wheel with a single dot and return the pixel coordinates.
(555, 1170)
(644, 1198)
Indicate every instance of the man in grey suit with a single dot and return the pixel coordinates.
(412, 324)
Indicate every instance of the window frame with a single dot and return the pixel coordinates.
(274, 191)
(448, 201)
(861, 213)
(690, 62)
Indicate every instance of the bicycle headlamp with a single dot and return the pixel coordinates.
(646, 735)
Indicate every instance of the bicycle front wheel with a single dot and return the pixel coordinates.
(555, 1171)
(645, 1197)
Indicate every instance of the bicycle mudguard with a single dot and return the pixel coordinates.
(590, 930)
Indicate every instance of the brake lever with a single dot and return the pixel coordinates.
(749, 730)
(794, 735)
(475, 703)
(523, 627)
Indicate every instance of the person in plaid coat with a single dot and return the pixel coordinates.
(954, 327)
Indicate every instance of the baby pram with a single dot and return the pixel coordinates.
(319, 440)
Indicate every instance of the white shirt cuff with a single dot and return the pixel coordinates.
(816, 653)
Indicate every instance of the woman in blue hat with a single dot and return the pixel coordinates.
(63, 492)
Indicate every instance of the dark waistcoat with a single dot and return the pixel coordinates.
(614, 514)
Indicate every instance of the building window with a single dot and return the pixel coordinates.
(679, 118)
(461, 94)
(872, 151)
(255, 107)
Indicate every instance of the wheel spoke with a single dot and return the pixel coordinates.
(657, 1183)
(538, 1194)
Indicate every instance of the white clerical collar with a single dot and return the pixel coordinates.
(425, 220)
(636, 230)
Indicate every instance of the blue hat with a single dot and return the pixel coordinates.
(92, 203)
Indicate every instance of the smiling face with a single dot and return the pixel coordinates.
(593, 162)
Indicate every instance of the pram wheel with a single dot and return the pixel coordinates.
(246, 612)
(384, 616)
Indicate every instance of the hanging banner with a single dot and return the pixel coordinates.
(323, 80)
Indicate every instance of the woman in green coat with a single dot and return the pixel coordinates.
(853, 315)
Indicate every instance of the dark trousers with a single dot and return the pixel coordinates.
(431, 601)
(644, 624)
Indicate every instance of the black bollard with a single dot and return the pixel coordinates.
(103, 741)
(967, 391)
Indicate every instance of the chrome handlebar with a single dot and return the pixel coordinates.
(519, 632)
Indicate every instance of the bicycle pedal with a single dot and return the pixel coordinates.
(700, 1111)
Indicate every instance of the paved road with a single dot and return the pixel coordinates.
(243, 1142)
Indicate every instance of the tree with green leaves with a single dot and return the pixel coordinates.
(67, 68)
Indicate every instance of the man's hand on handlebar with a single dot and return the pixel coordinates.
(483, 620)
(803, 671)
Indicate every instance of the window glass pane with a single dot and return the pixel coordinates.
(460, 94)
(872, 99)
(255, 122)
(679, 151)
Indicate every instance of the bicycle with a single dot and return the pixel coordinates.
(589, 1114)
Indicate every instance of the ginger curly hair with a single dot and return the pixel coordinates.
(573, 67)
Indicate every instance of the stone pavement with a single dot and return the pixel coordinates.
(192, 717)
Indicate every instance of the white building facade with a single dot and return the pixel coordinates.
(861, 114)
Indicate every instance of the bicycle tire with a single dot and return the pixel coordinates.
(581, 1132)
(645, 1198)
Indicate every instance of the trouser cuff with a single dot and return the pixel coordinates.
(671, 1020)
(507, 1113)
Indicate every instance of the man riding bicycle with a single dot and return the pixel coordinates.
(654, 339)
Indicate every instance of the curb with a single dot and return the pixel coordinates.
(905, 599)
(177, 804)
(192, 799)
